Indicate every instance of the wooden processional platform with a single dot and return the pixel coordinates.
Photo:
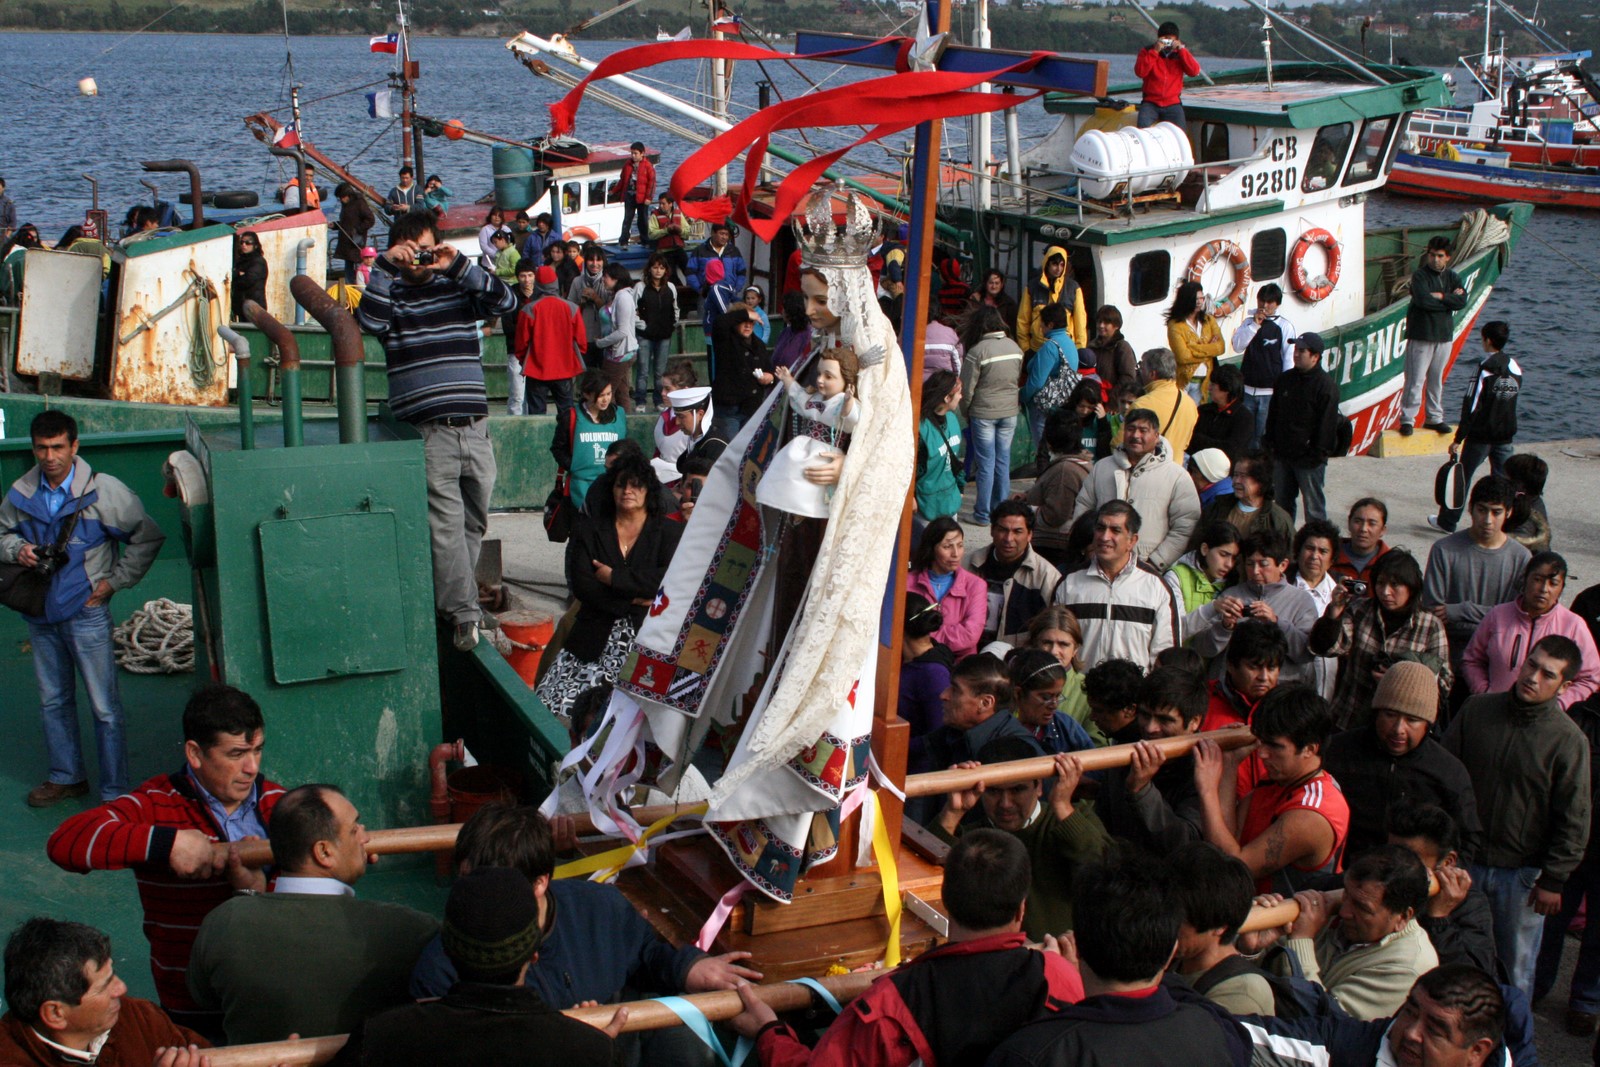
(834, 920)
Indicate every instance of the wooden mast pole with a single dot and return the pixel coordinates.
(407, 117)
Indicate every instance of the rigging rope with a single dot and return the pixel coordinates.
(156, 639)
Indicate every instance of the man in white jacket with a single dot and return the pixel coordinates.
(1122, 605)
(1142, 473)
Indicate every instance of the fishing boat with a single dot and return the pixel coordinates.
(1540, 109)
(1493, 176)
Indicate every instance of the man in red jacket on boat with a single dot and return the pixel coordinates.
(1162, 66)
(176, 830)
(638, 185)
(923, 1012)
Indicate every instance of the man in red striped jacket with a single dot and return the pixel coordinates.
(175, 832)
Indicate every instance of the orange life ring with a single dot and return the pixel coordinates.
(1311, 293)
(1208, 255)
(578, 232)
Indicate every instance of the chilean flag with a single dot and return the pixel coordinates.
(287, 136)
(389, 43)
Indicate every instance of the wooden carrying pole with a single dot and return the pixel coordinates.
(933, 783)
(642, 1015)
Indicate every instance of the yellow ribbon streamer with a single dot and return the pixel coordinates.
(883, 852)
(613, 860)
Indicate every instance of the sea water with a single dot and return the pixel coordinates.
(165, 96)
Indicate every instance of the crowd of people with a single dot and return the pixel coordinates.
(1408, 755)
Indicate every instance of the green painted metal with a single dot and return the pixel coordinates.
(178, 239)
(320, 603)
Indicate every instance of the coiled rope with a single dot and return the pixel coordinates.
(156, 639)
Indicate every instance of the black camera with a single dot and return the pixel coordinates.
(1355, 587)
(48, 559)
(423, 258)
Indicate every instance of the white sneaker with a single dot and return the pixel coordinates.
(466, 636)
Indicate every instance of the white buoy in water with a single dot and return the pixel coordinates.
(87, 87)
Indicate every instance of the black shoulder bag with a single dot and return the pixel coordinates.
(25, 589)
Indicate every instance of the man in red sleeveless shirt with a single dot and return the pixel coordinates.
(1293, 823)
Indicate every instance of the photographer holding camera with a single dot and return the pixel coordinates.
(1162, 66)
(425, 301)
(65, 521)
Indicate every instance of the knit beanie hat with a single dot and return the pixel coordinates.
(491, 923)
(1410, 688)
(545, 280)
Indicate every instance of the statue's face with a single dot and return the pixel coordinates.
(817, 311)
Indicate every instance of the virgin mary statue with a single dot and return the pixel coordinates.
(760, 600)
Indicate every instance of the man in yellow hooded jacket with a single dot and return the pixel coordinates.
(1055, 285)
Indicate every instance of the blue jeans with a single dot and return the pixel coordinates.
(728, 423)
(652, 357)
(1257, 407)
(1150, 114)
(84, 642)
(1289, 480)
(1518, 929)
(1583, 886)
(991, 463)
(1472, 456)
(1036, 420)
(516, 389)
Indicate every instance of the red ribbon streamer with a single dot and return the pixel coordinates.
(888, 104)
(564, 112)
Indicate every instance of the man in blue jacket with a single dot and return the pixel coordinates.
(717, 271)
(63, 516)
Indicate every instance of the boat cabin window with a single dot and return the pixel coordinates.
(1268, 254)
(601, 191)
(571, 197)
(1213, 142)
(1327, 156)
(1149, 277)
(1367, 162)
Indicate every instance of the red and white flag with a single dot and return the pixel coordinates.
(389, 42)
(287, 136)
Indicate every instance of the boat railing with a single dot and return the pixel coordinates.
(1028, 198)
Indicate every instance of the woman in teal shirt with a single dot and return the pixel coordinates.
(583, 436)
(939, 470)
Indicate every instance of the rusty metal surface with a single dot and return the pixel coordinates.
(340, 324)
(280, 335)
(278, 245)
(154, 366)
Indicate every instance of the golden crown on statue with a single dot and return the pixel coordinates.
(825, 242)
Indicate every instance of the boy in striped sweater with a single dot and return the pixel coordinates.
(428, 304)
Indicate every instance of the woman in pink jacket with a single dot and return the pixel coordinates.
(962, 596)
(1495, 654)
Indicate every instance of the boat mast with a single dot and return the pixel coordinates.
(407, 91)
(980, 134)
(719, 93)
(1266, 46)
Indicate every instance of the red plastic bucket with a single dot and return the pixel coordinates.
(529, 633)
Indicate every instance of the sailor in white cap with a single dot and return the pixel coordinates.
(685, 422)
